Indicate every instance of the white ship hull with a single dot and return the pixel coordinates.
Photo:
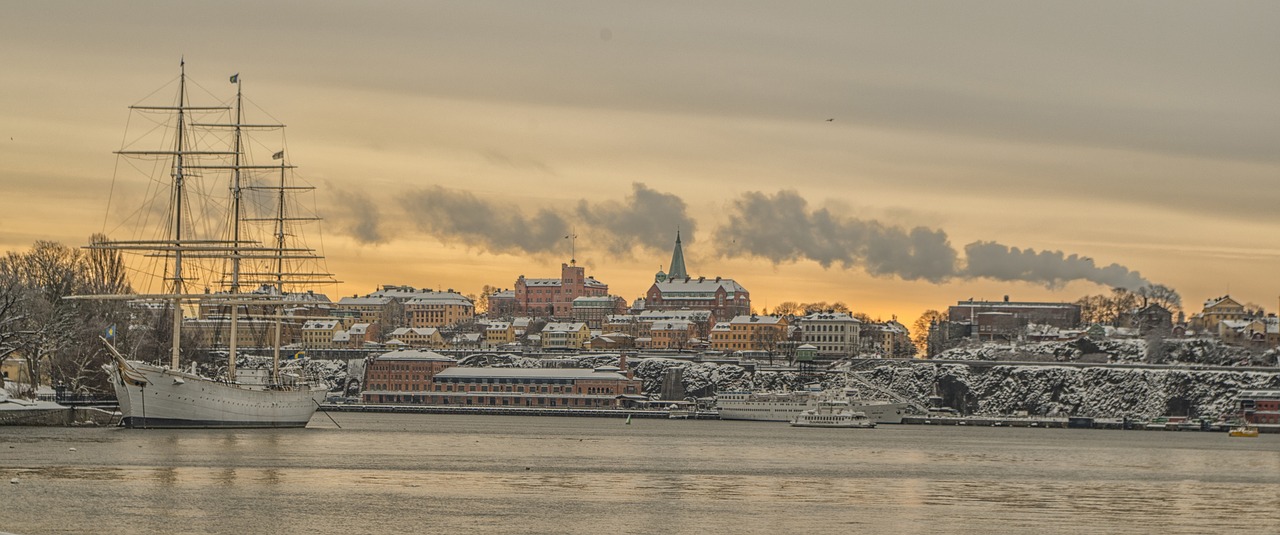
(785, 408)
(165, 398)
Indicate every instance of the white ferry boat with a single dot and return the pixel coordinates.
(833, 413)
(786, 406)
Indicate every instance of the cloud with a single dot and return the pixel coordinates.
(644, 219)
(647, 218)
(455, 216)
(782, 228)
(357, 215)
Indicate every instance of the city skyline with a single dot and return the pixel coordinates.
(889, 157)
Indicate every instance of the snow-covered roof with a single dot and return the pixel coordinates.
(756, 319)
(439, 298)
(307, 297)
(367, 300)
(699, 286)
(359, 329)
(529, 373)
(834, 317)
(414, 354)
(671, 325)
(682, 314)
(1014, 304)
(1224, 300)
(420, 331)
(323, 324)
(564, 327)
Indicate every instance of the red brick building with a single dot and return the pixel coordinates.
(402, 376)
(437, 382)
(554, 297)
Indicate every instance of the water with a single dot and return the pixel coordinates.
(386, 473)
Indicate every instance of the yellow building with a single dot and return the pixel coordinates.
(319, 333)
(565, 335)
(670, 334)
(368, 309)
(14, 368)
(499, 333)
(417, 337)
(1216, 311)
(438, 309)
(750, 333)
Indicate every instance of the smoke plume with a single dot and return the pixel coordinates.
(356, 214)
(647, 218)
(460, 217)
(782, 228)
(1050, 268)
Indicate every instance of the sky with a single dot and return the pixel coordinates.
(893, 156)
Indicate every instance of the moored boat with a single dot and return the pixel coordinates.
(785, 406)
(1244, 430)
(257, 246)
(831, 413)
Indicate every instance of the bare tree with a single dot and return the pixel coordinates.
(922, 328)
(482, 302)
(104, 269)
(1254, 310)
(787, 308)
(1161, 295)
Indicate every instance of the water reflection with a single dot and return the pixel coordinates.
(553, 475)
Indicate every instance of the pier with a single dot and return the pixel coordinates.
(517, 411)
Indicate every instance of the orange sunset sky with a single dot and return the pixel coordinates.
(894, 156)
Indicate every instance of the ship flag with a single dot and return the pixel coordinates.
(278, 156)
(235, 78)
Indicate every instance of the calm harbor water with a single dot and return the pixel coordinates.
(385, 473)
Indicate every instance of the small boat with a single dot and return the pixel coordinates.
(1244, 430)
(832, 413)
(680, 411)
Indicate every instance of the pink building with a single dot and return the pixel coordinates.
(554, 297)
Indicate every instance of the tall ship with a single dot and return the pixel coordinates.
(787, 406)
(220, 235)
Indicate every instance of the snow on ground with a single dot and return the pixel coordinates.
(1037, 389)
(1152, 351)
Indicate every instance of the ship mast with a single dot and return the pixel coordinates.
(280, 238)
(177, 220)
(238, 149)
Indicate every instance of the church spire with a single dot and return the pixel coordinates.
(677, 262)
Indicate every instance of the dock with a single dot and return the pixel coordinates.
(516, 411)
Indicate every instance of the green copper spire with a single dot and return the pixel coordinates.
(677, 262)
